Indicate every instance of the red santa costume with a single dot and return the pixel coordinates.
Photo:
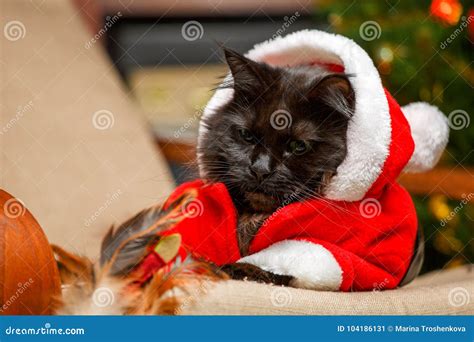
(362, 235)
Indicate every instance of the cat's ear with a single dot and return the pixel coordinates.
(335, 91)
(247, 75)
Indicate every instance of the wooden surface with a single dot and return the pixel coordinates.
(29, 278)
(454, 182)
(176, 151)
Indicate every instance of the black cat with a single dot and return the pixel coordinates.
(279, 140)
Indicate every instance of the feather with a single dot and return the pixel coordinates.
(123, 248)
(170, 292)
(73, 268)
(114, 287)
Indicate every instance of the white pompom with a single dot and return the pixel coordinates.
(430, 131)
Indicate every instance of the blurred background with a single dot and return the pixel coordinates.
(167, 55)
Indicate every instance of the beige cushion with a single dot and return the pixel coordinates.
(437, 293)
(53, 158)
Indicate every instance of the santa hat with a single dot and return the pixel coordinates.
(382, 138)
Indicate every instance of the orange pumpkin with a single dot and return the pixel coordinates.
(29, 278)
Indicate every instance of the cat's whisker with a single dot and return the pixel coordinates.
(315, 195)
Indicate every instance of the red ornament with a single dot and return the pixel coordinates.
(447, 11)
(470, 24)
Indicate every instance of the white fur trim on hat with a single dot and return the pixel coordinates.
(430, 131)
(369, 131)
(312, 265)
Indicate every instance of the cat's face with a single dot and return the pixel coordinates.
(281, 137)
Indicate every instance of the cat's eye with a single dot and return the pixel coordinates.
(246, 135)
(298, 147)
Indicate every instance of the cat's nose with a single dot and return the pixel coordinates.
(258, 172)
(260, 167)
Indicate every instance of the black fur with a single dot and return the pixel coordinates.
(262, 173)
(252, 151)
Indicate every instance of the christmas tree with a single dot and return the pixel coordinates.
(424, 52)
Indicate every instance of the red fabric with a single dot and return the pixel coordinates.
(373, 249)
(400, 149)
(372, 252)
(329, 66)
(211, 233)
